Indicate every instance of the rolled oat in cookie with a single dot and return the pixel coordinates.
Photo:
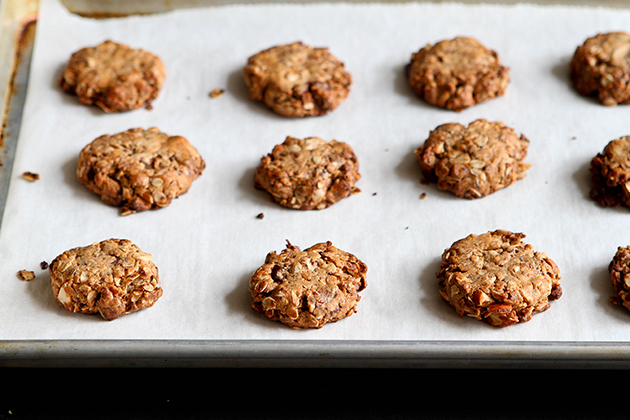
(619, 269)
(111, 278)
(457, 74)
(601, 68)
(610, 174)
(474, 161)
(307, 289)
(139, 169)
(296, 80)
(308, 173)
(113, 76)
(497, 278)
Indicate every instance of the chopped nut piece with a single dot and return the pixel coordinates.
(26, 275)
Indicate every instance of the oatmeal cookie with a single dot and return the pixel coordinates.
(139, 169)
(619, 269)
(296, 80)
(457, 74)
(112, 278)
(601, 68)
(113, 76)
(308, 173)
(307, 289)
(474, 161)
(497, 278)
(610, 174)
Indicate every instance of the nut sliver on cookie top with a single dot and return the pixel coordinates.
(139, 169)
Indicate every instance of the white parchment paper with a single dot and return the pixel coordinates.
(209, 241)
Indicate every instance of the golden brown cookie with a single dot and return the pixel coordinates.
(473, 161)
(139, 169)
(296, 80)
(457, 74)
(497, 278)
(308, 173)
(307, 289)
(601, 67)
(113, 76)
(112, 278)
(610, 174)
(619, 269)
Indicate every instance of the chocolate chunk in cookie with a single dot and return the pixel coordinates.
(610, 174)
(112, 278)
(139, 169)
(113, 76)
(601, 68)
(619, 269)
(296, 80)
(307, 289)
(308, 173)
(457, 74)
(474, 161)
(496, 278)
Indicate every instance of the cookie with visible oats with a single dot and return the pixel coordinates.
(610, 174)
(139, 169)
(619, 269)
(307, 289)
(296, 80)
(457, 74)
(114, 76)
(497, 278)
(111, 278)
(309, 173)
(474, 161)
(601, 68)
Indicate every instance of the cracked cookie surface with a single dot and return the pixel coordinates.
(610, 174)
(139, 169)
(619, 269)
(111, 278)
(307, 289)
(113, 76)
(601, 68)
(296, 80)
(497, 278)
(474, 161)
(309, 173)
(457, 74)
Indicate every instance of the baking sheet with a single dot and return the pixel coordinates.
(209, 241)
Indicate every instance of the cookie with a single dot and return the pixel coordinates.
(619, 269)
(497, 278)
(474, 161)
(111, 278)
(308, 173)
(610, 174)
(601, 68)
(296, 80)
(457, 74)
(113, 76)
(307, 289)
(139, 169)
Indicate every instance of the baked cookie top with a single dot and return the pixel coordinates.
(610, 174)
(296, 80)
(497, 278)
(139, 169)
(113, 76)
(309, 173)
(307, 289)
(112, 278)
(457, 74)
(619, 269)
(473, 161)
(601, 67)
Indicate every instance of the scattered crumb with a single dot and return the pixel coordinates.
(260, 216)
(43, 265)
(423, 196)
(574, 138)
(373, 194)
(25, 275)
(148, 106)
(30, 176)
(407, 228)
(216, 93)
